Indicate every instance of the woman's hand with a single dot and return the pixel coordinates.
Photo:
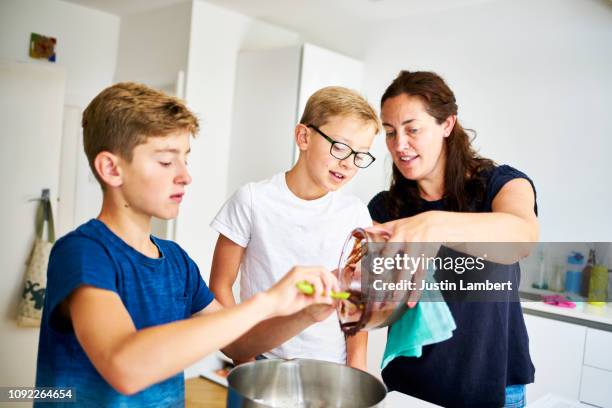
(418, 237)
(287, 299)
(423, 227)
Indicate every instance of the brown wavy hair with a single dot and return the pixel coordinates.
(465, 172)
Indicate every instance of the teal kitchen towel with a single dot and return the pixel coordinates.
(429, 322)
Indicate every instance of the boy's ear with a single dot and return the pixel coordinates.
(301, 136)
(107, 167)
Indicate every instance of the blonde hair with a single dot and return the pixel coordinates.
(338, 101)
(126, 114)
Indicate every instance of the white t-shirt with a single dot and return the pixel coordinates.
(280, 230)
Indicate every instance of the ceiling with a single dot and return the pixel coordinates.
(283, 11)
(125, 7)
(341, 25)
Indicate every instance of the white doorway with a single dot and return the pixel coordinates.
(31, 105)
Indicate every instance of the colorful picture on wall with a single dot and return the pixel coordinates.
(42, 47)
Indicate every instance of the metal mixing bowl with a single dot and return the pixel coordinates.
(304, 384)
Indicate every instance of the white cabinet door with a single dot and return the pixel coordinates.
(598, 349)
(31, 105)
(321, 67)
(264, 115)
(596, 387)
(557, 351)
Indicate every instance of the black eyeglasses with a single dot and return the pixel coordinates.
(343, 151)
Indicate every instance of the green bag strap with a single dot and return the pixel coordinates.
(44, 213)
(51, 227)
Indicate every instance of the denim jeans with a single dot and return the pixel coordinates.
(515, 396)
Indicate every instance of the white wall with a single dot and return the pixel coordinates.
(264, 111)
(86, 41)
(533, 78)
(154, 46)
(260, 35)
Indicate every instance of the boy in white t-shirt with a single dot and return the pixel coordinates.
(299, 217)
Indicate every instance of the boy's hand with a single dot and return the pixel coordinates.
(287, 299)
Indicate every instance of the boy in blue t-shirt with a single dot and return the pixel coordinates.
(126, 312)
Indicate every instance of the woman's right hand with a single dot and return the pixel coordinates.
(287, 299)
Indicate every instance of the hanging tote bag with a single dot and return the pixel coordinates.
(33, 296)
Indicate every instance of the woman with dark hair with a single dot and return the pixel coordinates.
(443, 191)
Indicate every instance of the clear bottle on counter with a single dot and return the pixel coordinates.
(542, 275)
(556, 281)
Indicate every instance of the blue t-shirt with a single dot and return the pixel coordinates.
(488, 351)
(153, 290)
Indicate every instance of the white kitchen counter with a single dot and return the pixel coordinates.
(586, 314)
(583, 312)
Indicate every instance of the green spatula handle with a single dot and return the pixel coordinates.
(308, 289)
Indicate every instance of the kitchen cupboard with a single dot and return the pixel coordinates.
(596, 382)
(596, 387)
(571, 360)
(598, 350)
(557, 350)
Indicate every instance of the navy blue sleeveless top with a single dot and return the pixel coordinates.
(488, 351)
